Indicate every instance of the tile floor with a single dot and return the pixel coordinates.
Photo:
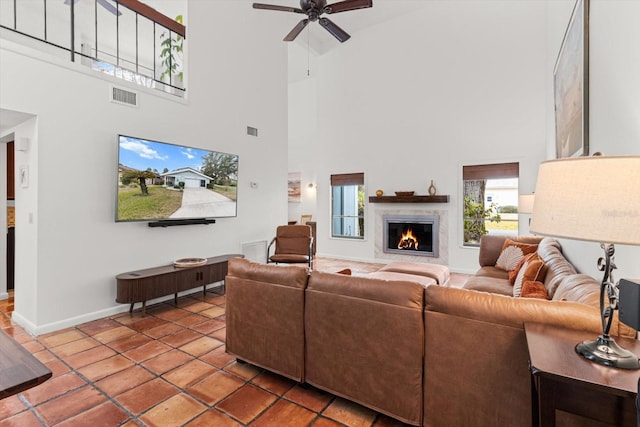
(166, 369)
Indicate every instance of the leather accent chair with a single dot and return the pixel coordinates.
(293, 244)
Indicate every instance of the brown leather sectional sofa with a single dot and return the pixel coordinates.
(425, 355)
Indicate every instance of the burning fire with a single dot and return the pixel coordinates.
(408, 241)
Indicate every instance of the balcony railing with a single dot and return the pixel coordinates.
(124, 38)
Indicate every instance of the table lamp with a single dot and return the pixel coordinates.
(596, 199)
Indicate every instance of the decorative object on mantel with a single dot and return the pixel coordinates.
(379, 193)
(594, 199)
(189, 262)
(405, 193)
(409, 199)
(432, 189)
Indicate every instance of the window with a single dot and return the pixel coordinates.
(490, 200)
(347, 205)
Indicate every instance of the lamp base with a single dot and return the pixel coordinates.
(605, 351)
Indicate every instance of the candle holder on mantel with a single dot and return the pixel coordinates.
(432, 189)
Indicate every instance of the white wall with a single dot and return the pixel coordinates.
(614, 116)
(65, 270)
(418, 97)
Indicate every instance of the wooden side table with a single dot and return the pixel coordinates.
(19, 369)
(565, 381)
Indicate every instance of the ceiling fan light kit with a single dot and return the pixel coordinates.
(313, 9)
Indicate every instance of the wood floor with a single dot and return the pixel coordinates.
(167, 369)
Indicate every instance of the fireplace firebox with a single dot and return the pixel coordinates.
(411, 235)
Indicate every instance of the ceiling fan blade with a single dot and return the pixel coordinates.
(111, 8)
(274, 7)
(347, 5)
(296, 30)
(335, 31)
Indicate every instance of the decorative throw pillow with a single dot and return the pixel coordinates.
(533, 269)
(514, 273)
(531, 289)
(512, 253)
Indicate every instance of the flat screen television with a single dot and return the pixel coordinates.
(158, 181)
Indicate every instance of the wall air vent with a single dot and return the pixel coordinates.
(123, 96)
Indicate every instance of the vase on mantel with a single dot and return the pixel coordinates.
(432, 189)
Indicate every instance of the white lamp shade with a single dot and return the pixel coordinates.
(589, 198)
(525, 203)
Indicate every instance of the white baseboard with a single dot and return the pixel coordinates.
(4, 296)
(36, 330)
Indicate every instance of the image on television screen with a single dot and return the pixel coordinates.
(162, 181)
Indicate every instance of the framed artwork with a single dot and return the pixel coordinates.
(293, 187)
(571, 86)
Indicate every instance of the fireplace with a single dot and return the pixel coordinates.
(411, 235)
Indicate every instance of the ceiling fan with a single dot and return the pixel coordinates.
(104, 3)
(313, 9)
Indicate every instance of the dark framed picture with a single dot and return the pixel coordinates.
(571, 86)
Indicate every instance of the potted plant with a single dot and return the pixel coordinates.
(171, 61)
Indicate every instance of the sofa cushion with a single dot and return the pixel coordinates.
(533, 269)
(534, 289)
(512, 252)
(491, 271)
(489, 284)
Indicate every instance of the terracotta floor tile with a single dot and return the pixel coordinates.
(284, 414)
(213, 418)
(70, 404)
(55, 339)
(309, 397)
(246, 403)
(10, 406)
(88, 357)
(213, 312)
(215, 387)
(208, 326)
(33, 346)
(163, 330)
(104, 415)
(57, 368)
(218, 357)
(243, 370)
(169, 313)
(167, 361)
(45, 356)
(180, 338)
(75, 347)
(105, 367)
(145, 396)
(192, 319)
(175, 411)
(130, 342)
(113, 334)
(201, 346)
(53, 387)
(145, 323)
(147, 351)
(189, 373)
(124, 380)
(220, 334)
(216, 299)
(97, 326)
(349, 413)
(197, 306)
(273, 382)
(326, 422)
(23, 419)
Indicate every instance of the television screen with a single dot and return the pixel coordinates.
(161, 181)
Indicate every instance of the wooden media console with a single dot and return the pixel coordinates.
(144, 285)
